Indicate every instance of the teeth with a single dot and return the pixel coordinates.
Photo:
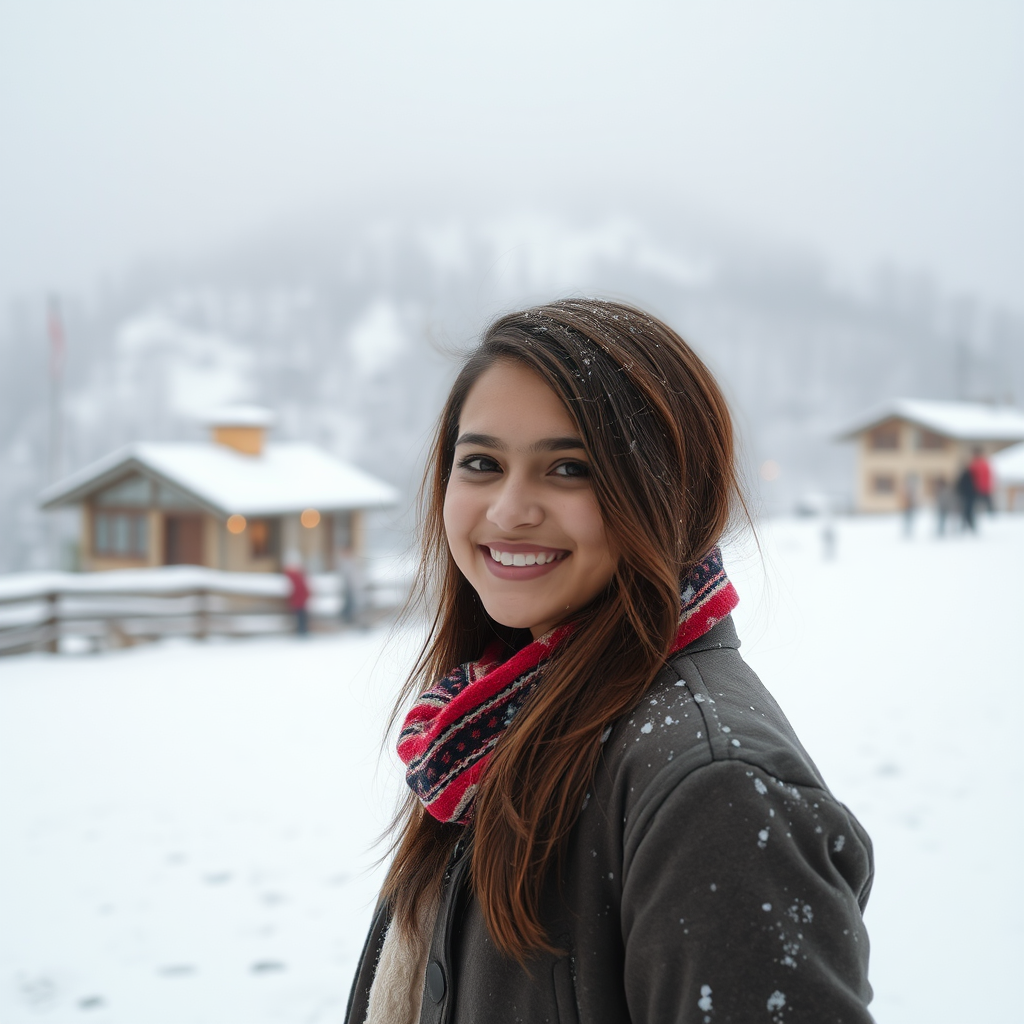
(523, 559)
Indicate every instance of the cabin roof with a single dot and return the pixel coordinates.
(285, 478)
(962, 421)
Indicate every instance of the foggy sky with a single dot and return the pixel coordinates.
(868, 131)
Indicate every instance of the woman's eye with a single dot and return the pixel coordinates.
(478, 464)
(575, 470)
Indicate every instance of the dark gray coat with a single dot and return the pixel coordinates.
(711, 878)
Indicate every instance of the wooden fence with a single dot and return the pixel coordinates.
(98, 611)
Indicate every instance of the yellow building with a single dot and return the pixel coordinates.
(913, 447)
(235, 502)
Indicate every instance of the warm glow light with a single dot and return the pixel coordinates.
(770, 470)
(236, 523)
(309, 518)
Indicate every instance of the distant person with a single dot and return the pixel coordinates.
(981, 473)
(945, 503)
(298, 598)
(828, 539)
(909, 505)
(967, 495)
(353, 588)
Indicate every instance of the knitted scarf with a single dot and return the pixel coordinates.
(448, 736)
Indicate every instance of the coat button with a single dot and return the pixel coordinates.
(435, 981)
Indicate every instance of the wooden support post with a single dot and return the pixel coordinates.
(202, 619)
(52, 642)
(358, 533)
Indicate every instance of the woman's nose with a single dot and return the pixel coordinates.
(515, 506)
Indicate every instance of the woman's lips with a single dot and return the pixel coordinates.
(521, 572)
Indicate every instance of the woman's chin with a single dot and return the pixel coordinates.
(513, 621)
(513, 618)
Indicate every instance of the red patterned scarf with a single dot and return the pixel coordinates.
(448, 736)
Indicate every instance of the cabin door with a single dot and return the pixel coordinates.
(183, 540)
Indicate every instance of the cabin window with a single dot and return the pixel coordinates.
(171, 498)
(264, 538)
(883, 483)
(885, 437)
(929, 441)
(132, 491)
(121, 534)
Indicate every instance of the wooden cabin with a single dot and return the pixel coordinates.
(917, 446)
(236, 502)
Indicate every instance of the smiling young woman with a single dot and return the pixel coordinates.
(609, 817)
(520, 514)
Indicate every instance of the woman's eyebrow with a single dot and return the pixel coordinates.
(545, 444)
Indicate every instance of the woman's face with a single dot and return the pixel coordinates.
(522, 521)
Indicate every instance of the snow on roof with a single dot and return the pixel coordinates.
(964, 421)
(1009, 465)
(285, 478)
(241, 416)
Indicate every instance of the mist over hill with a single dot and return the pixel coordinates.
(350, 332)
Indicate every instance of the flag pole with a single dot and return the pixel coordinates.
(58, 346)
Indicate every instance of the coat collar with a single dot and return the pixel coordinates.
(721, 634)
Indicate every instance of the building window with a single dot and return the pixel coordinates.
(929, 441)
(121, 534)
(132, 492)
(883, 483)
(885, 437)
(172, 499)
(264, 538)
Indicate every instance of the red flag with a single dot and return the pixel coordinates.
(55, 328)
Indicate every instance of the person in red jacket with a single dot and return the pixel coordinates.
(298, 599)
(981, 472)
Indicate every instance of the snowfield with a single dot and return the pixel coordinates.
(186, 828)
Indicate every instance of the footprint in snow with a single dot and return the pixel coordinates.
(267, 966)
(37, 991)
(177, 970)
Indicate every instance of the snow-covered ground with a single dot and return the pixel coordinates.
(185, 828)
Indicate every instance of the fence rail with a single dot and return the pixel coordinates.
(97, 611)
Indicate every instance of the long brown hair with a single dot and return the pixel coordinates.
(659, 439)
